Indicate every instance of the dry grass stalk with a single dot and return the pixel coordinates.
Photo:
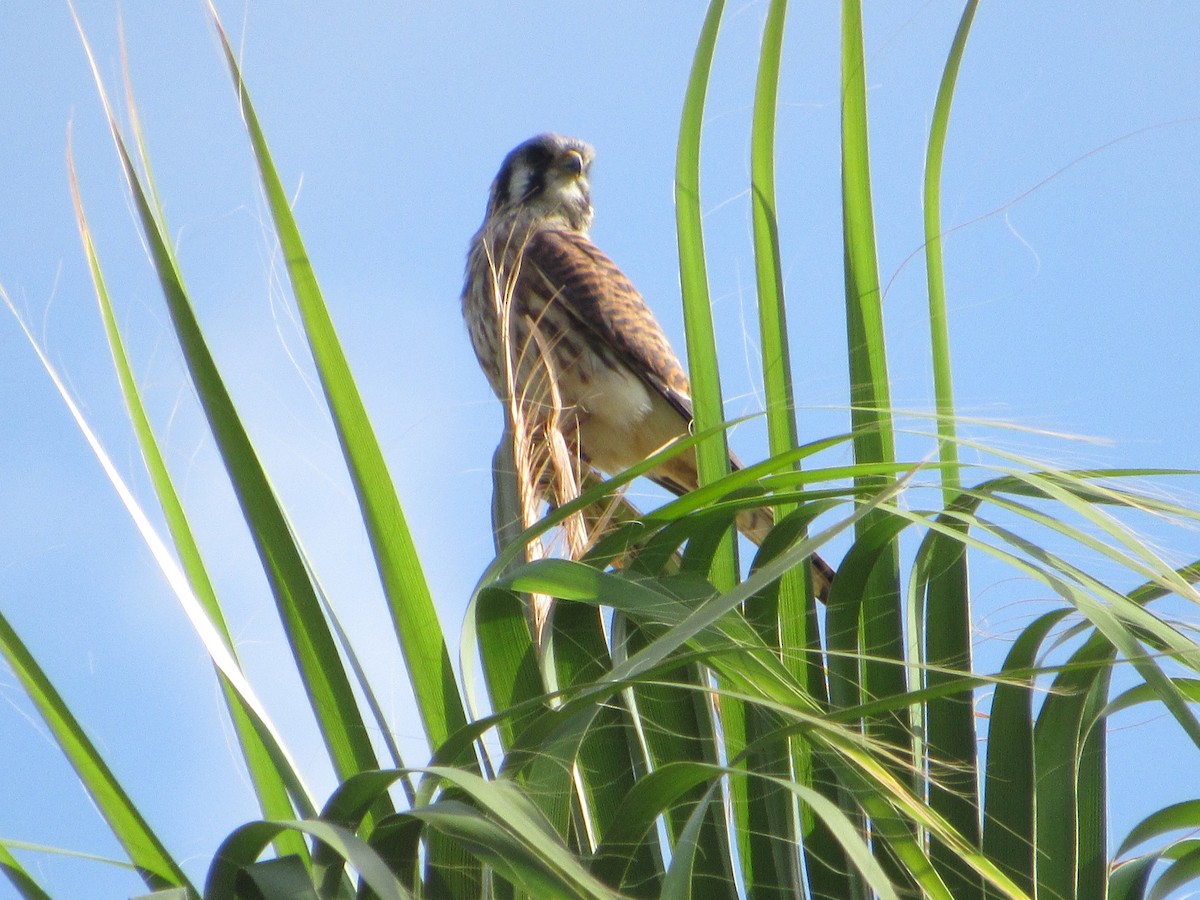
(548, 466)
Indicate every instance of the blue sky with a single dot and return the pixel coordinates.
(1072, 307)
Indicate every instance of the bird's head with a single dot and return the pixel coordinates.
(546, 178)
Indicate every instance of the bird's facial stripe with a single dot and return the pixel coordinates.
(526, 183)
(532, 167)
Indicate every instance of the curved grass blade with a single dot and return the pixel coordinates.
(1084, 498)
(1129, 880)
(519, 818)
(1144, 693)
(935, 272)
(1185, 869)
(869, 390)
(222, 659)
(949, 722)
(789, 615)
(506, 853)
(795, 591)
(846, 663)
(1091, 851)
(147, 853)
(510, 665)
(824, 858)
(777, 363)
(247, 843)
(21, 880)
(498, 848)
(1184, 816)
(1060, 746)
(712, 455)
(285, 878)
(949, 726)
(266, 760)
(882, 621)
(417, 627)
(677, 884)
(506, 496)
(656, 794)
(326, 684)
(1008, 824)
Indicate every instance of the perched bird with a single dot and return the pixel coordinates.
(553, 318)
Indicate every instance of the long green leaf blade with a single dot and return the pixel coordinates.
(1092, 846)
(1009, 811)
(950, 722)
(21, 880)
(414, 617)
(768, 265)
(265, 764)
(786, 619)
(882, 624)
(222, 659)
(870, 397)
(325, 680)
(148, 854)
(869, 390)
(1060, 738)
(934, 266)
(712, 455)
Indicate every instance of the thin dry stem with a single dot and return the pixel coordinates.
(548, 465)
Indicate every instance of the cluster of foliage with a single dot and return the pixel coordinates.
(684, 729)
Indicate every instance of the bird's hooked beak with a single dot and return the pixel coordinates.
(572, 163)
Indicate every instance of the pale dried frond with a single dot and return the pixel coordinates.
(546, 453)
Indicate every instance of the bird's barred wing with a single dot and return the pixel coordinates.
(576, 276)
(586, 284)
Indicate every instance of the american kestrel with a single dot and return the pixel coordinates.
(570, 312)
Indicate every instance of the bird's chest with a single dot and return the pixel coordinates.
(525, 337)
(541, 354)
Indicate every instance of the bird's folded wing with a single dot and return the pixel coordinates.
(589, 286)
